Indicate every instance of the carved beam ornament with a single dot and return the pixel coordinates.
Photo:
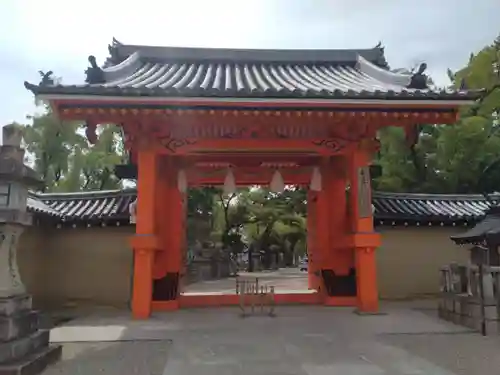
(238, 133)
(332, 144)
(173, 144)
(255, 132)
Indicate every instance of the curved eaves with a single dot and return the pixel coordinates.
(124, 69)
(37, 206)
(382, 75)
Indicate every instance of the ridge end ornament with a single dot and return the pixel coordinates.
(47, 78)
(114, 57)
(419, 80)
(94, 73)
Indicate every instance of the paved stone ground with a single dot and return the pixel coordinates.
(299, 341)
(112, 358)
(284, 280)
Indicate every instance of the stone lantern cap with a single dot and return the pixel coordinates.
(12, 167)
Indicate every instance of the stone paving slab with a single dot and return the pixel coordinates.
(465, 354)
(117, 358)
(310, 340)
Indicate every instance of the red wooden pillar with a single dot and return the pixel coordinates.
(322, 223)
(183, 241)
(169, 207)
(364, 238)
(176, 229)
(335, 184)
(145, 242)
(313, 269)
(337, 258)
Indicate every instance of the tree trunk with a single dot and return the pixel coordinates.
(250, 258)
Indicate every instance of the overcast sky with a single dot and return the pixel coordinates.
(59, 35)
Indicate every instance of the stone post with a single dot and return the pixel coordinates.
(24, 348)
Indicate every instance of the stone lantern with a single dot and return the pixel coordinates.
(24, 349)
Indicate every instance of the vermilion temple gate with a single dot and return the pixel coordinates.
(212, 116)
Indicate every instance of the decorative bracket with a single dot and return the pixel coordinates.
(239, 133)
(255, 132)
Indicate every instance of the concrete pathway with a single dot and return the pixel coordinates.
(299, 341)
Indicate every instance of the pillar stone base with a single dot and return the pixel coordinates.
(24, 348)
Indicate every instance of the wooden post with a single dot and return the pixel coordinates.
(322, 236)
(330, 223)
(145, 241)
(176, 229)
(339, 259)
(183, 248)
(312, 252)
(162, 206)
(365, 240)
(482, 308)
(170, 211)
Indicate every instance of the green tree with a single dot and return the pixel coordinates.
(291, 230)
(65, 160)
(482, 72)
(51, 144)
(449, 159)
(201, 221)
(232, 213)
(276, 223)
(97, 161)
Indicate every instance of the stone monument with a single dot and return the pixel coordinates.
(24, 348)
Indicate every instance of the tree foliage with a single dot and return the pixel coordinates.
(450, 159)
(61, 154)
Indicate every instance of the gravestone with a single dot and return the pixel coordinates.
(24, 348)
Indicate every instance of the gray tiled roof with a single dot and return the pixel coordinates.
(203, 72)
(113, 205)
(429, 207)
(90, 205)
(36, 206)
(487, 229)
